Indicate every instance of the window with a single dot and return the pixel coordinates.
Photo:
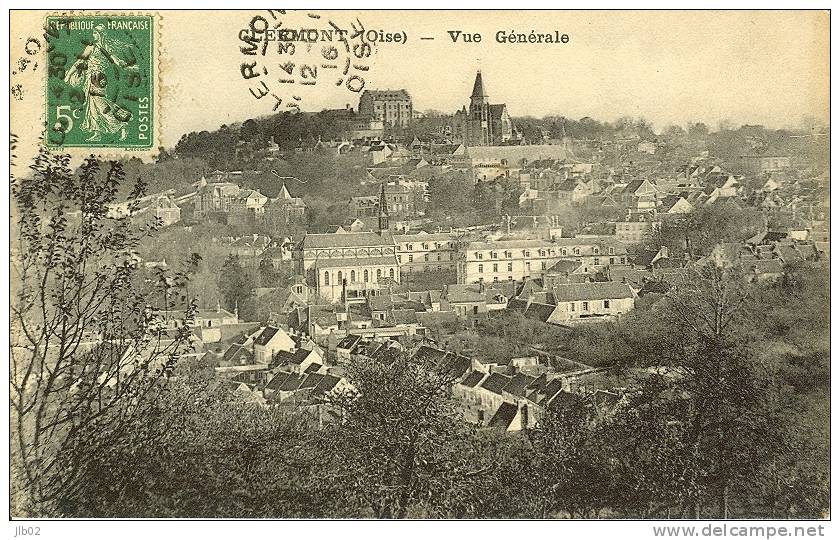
(425, 246)
(542, 265)
(596, 261)
(494, 255)
(339, 278)
(391, 273)
(526, 253)
(596, 250)
(542, 253)
(612, 260)
(352, 276)
(585, 306)
(411, 258)
(378, 273)
(571, 306)
(510, 267)
(409, 247)
(495, 267)
(623, 260)
(326, 278)
(611, 250)
(479, 255)
(606, 304)
(563, 251)
(495, 278)
(367, 276)
(577, 251)
(399, 259)
(508, 254)
(480, 268)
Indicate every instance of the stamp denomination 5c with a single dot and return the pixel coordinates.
(100, 88)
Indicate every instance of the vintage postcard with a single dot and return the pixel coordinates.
(369, 264)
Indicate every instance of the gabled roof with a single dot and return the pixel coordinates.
(595, 290)
(504, 416)
(533, 310)
(564, 266)
(495, 383)
(286, 357)
(266, 335)
(348, 342)
(350, 239)
(238, 354)
(518, 383)
(465, 292)
(472, 379)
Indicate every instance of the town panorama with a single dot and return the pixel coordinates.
(385, 310)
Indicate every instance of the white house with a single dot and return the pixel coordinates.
(270, 341)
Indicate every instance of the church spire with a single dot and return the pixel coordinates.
(478, 87)
(383, 210)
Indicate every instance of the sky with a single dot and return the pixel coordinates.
(765, 67)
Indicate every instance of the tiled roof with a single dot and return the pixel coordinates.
(535, 311)
(266, 335)
(353, 239)
(286, 357)
(469, 292)
(348, 342)
(495, 383)
(518, 383)
(388, 260)
(237, 353)
(504, 416)
(603, 290)
(472, 379)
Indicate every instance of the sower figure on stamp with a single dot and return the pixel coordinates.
(102, 115)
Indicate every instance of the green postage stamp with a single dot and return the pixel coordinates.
(101, 81)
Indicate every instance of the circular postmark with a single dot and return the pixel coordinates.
(291, 56)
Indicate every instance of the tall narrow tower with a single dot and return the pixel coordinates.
(383, 210)
(479, 113)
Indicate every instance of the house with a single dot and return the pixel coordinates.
(296, 360)
(760, 164)
(270, 341)
(576, 301)
(471, 300)
(675, 204)
(653, 258)
(637, 188)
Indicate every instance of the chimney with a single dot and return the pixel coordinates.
(218, 306)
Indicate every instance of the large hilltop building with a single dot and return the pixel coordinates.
(485, 123)
(392, 107)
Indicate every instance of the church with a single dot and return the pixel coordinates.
(484, 124)
(350, 266)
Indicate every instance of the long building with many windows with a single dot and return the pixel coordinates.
(506, 260)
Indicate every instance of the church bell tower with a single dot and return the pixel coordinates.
(383, 210)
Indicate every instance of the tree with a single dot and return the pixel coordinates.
(236, 286)
(400, 446)
(89, 353)
(719, 390)
(562, 469)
